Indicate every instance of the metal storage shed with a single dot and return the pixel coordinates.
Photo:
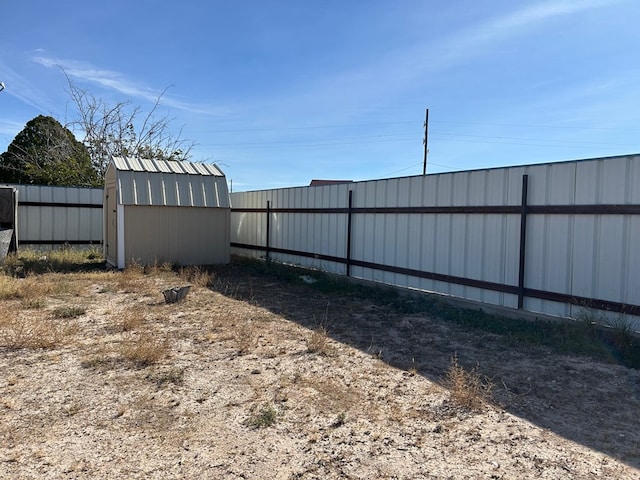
(165, 211)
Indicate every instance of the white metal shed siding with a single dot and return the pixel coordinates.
(156, 182)
(183, 236)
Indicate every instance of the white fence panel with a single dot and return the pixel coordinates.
(53, 216)
(459, 233)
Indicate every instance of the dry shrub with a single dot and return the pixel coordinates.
(18, 331)
(468, 390)
(196, 276)
(33, 303)
(50, 284)
(69, 311)
(9, 287)
(131, 278)
(158, 268)
(35, 287)
(24, 288)
(318, 342)
(246, 337)
(130, 319)
(145, 349)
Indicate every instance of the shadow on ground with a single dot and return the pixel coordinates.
(592, 403)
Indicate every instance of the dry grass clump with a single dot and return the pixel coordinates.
(145, 349)
(130, 319)
(20, 331)
(72, 256)
(130, 276)
(174, 375)
(246, 337)
(468, 390)
(33, 290)
(69, 311)
(318, 342)
(64, 259)
(33, 303)
(196, 276)
(158, 268)
(143, 279)
(25, 288)
(9, 287)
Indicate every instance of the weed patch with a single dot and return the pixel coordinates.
(145, 349)
(64, 260)
(340, 420)
(265, 417)
(158, 268)
(174, 376)
(9, 287)
(613, 343)
(246, 337)
(73, 311)
(19, 331)
(131, 278)
(130, 319)
(33, 303)
(318, 342)
(196, 276)
(468, 389)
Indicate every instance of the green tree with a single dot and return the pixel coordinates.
(46, 153)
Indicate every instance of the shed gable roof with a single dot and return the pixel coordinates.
(169, 183)
(165, 166)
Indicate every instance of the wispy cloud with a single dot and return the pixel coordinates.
(21, 88)
(120, 83)
(399, 70)
(520, 21)
(8, 127)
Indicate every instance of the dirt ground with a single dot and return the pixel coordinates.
(256, 378)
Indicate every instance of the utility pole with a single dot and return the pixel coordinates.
(426, 146)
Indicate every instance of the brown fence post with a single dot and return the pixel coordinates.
(268, 227)
(523, 240)
(349, 215)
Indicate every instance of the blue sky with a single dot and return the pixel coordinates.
(280, 92)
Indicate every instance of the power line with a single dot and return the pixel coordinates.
(530, 139)
(457, 138)
(400, 138)
(410, 122)
(401, 170)
(558, 145)
(521, 125)
(309, 127)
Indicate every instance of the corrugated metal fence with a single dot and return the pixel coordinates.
(556, 238)
(55, 216)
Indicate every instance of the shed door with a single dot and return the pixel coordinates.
(111, 235)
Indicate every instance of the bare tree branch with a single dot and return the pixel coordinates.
(121, 130)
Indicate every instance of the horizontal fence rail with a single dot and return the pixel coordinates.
(536, 240)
